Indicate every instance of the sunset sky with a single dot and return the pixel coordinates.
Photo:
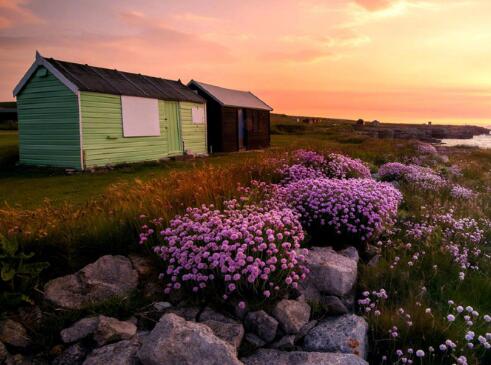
(393, 60)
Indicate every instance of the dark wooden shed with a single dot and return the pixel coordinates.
(237, 120)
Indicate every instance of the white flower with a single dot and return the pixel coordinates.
(487, 318)
(451, 318)
(420, 353)
(460, 309)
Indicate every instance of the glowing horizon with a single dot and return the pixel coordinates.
(390, 60)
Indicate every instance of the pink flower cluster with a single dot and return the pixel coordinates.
(298, 172)
(358, 209)
(426, 149)
(461, 192)
(240, 252)
(308, 158)
(418, 176)
(312, 165)
(342, 167)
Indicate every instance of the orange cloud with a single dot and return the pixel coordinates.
(374, 5)
(15, 11)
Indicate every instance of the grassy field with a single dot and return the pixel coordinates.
(92, 214)
(30, 187)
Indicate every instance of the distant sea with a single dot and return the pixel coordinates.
(481, 141)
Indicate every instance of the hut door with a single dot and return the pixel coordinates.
(171, 116)
(241, 128)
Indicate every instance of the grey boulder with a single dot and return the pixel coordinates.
(14, 334)
(112, 330)
(119, 353)
(345, 334)
(331, 272)
(230, 332)
(275, 357)
(73, 355)
(333, 305)
(3, 352)
(262, 324)
(79, 329)
(109, 276)
(292, 315)
(175, 341)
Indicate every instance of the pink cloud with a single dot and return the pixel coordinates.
(16, 11)
(374, 5)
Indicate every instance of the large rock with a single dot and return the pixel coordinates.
(285, 343)
(224, 327)
(331, 272)
(73, 355)
(79, 330)
(112, 330)
(105, 278)
(271, 357)
(3, 352)
(292, 315)
(119, 353)
(333, 305)
(230, 332)
(262, 324)
(175, 341)
(14, 334)
(346, 334)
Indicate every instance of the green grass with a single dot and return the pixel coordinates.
(30, 187)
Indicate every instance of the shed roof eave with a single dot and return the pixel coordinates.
(41, 61)
(207, 92)
(197, 84)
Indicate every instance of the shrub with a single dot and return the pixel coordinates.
(461, 192)
(334, 166)
(298, 172)
(18, 273)
(355, 209)
(342, 167)
(416, 176)
(426, 149)
(241, 252)
(309, 158)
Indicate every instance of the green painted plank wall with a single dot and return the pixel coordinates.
(193, 135)
(103, 140)
(49, 133)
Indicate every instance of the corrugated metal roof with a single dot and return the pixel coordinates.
(233, 98)
(104, 80)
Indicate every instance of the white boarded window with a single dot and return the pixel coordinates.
(140, 116)
(198, 114)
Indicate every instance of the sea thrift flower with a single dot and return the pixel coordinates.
(460, 192)
(233, 251)
(358, 209)
(343, 167)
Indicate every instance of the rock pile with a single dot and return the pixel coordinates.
(286, 334)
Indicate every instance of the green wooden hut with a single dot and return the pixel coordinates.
(79, 116)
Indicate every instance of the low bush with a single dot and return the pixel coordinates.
(351, 211)
(245, 253)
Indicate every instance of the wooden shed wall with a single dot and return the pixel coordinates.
(103, 140)
(193, 135)
(229, 135)
(257, 125)
(49, 132)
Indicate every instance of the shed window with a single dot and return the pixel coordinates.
(140, 116)
(198, 115)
